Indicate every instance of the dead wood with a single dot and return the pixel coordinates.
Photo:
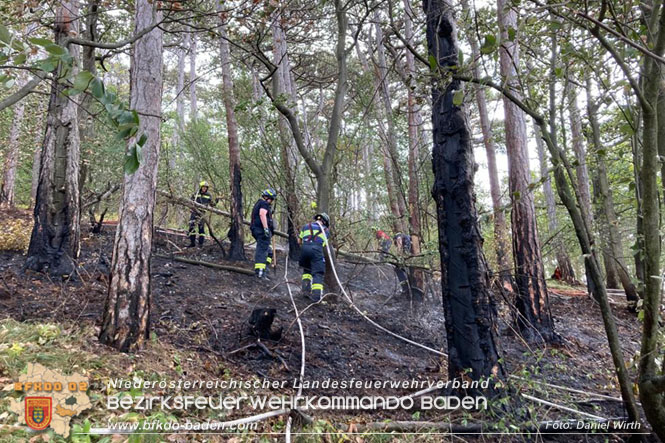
(208, 264)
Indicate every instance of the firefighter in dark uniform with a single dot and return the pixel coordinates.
(262, 228)
(204, 198)
(314, 238)
(403, 244)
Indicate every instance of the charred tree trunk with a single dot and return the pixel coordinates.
(236, 236)
(36, 164)
(11, 160)
(468, 304)
(54, 244)
(534, 319)
(125, 322)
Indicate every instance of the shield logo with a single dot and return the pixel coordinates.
(38, 412)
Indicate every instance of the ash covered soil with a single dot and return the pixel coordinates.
(204, 310)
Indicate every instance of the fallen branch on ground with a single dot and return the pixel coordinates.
(205, 263)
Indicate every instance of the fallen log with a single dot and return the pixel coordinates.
(205, 263)
(193, 205)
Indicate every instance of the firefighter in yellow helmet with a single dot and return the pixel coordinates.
(204, 198)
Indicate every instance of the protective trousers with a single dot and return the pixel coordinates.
(403, 279)
(195, 219)
(313, 263)
(263, 251)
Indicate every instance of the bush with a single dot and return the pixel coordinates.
(15, 234)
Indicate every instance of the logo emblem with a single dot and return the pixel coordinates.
(38, 412)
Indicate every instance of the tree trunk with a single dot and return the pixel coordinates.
(323, 192)
(36, 165)
(54, 244)
(563, 261)
(562, 258)
(469, 308)
(236, 236)
(179, 107)
(11, 160)
(125, 323)
(282, 85)
(582, 173)
(651, 380)
(502, 248)
(414, 143)
(604, 192)
(534, 319)
(394, 172)
(193, 104)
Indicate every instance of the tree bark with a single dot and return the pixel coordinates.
(534, 319)
(604, 192)
(502, 247)
(468, 304)
(414, 142)
(54, 244)
(7, 192)
(562, 258)
(393, 166)
(36, 165)
(125, 323)
(179, 107)
(652, 397)
(563, 261)
(193, 102)
(236, 236)
(282, 85)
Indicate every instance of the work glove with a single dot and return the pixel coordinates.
(266, 231)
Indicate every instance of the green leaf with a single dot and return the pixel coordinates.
(458, 98)
(40, 41)
(558, 72)
(82, 80)
(433, 63)
(142, 140)
(139, 153)
(97, 88)
(56, 50)
(9, 83)
(5, 35)
(47, 64)
(512, 33)
(20, 59)
(131, 161)
(489, 45)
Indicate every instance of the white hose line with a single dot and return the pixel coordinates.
(289, 421)
(348, 299)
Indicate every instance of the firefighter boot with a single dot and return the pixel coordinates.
(306, 285)
(317, 291)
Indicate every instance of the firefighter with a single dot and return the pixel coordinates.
(313, 239)
(204, 198)
(262, 228)
(384, 243)
(403, 245)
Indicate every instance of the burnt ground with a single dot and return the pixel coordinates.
(204, 311)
